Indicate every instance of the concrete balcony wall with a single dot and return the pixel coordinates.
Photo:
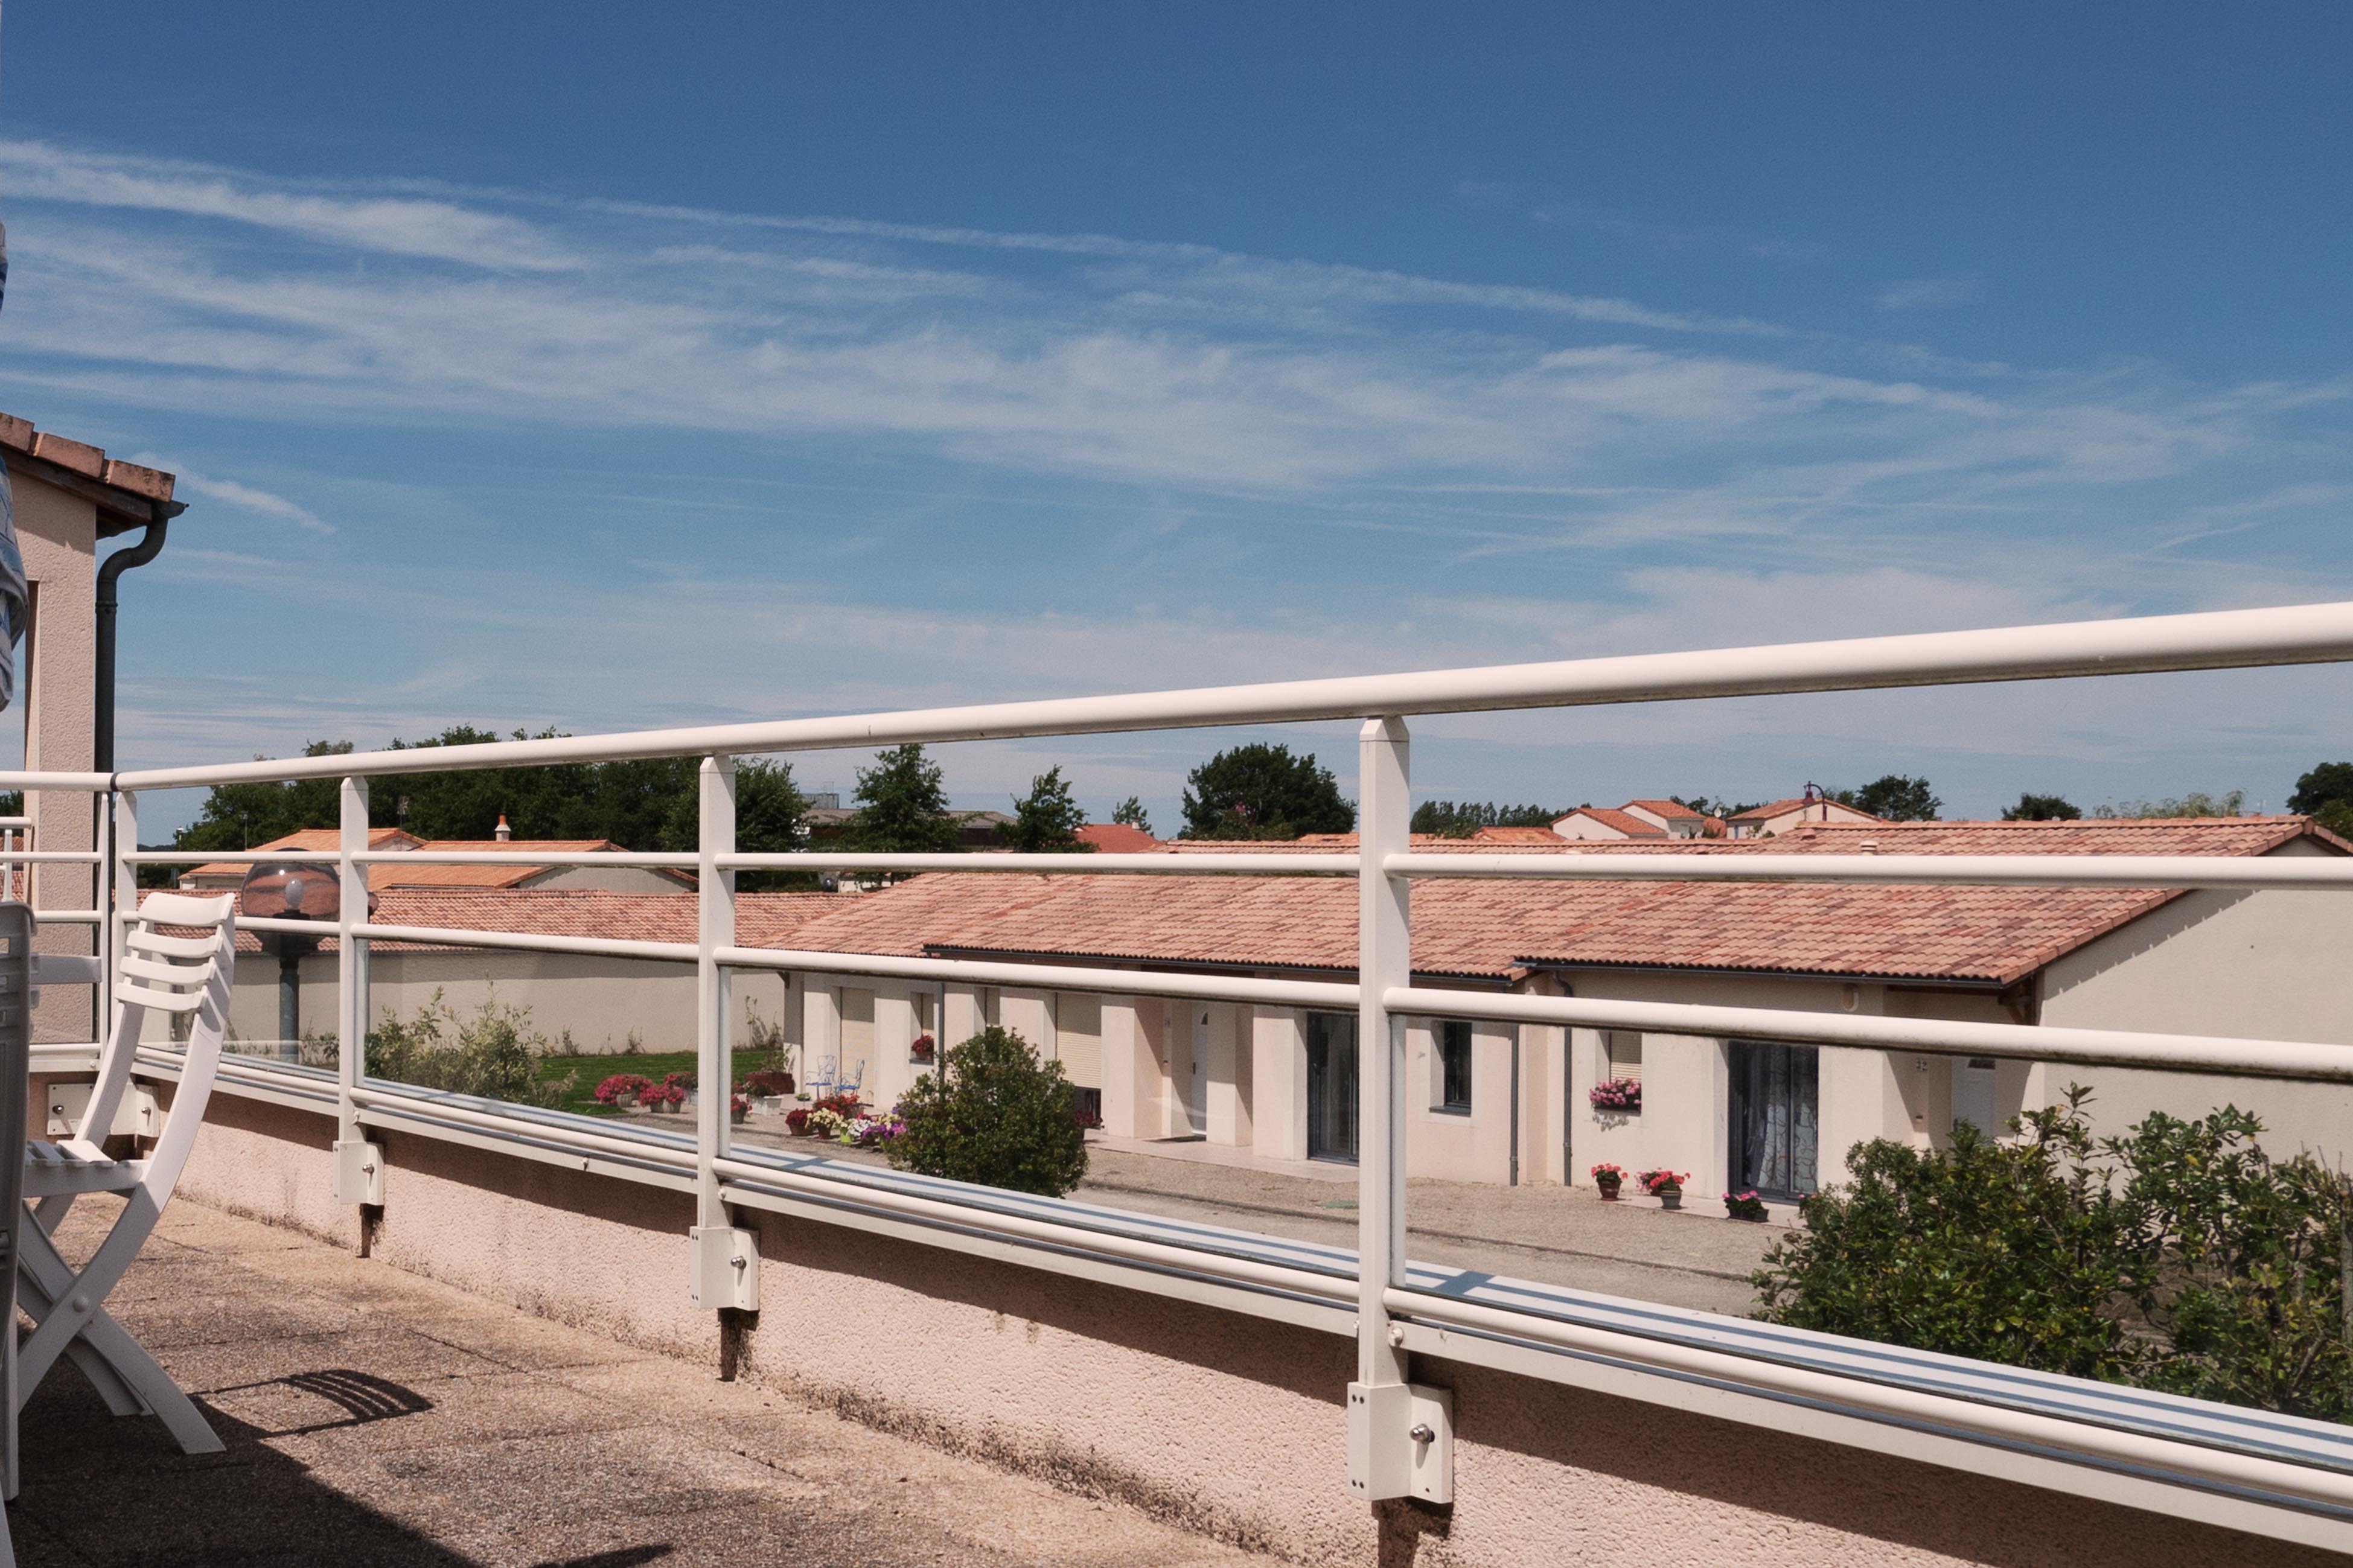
(1229, 1424)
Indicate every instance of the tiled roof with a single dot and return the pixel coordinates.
(1771, 808)
(1466, 929)
(1624, 822)
(1491, 930)
(761, 920)
(319, 840)
(394, 874)
(1518, 837)
(1117, 838)
(391, 875)
(145, 492)
(1672, 810)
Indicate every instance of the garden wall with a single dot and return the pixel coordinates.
(1232, 1424)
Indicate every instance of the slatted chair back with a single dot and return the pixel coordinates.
(179, 956)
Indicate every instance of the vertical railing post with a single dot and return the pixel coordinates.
(1400, 1441)
(727, 1273)
(359, 1163)
(116, 904)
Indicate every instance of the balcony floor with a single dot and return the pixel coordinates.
(372, 1418)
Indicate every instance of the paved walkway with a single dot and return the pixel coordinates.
(375, 1418)
(1557, 1235)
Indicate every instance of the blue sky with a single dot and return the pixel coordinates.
(581, 366)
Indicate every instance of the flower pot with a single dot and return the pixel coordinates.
(1670, 1197)
(1610, 1193)
(769, 1104)
(737, 1117)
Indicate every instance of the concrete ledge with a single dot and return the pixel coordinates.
(1228, 1425)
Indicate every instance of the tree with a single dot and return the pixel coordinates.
(1046, 821)
(1722, 808)
(240, 815)
(1129, 812)
(1451, 820)
(2330, 784)
(2041, 808)
(2197, 803)
(1894, 798)
(996, 1115)
(1263, 792)
(903, 805)
(768, 810)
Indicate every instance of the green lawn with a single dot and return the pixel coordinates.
(589, 1071)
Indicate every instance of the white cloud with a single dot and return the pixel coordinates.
(391, 225)
(245, 496)
(1932, 293)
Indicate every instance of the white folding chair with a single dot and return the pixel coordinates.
(16, 1091)
(164, 971)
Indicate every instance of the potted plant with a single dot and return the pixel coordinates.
(923, 1049)
(621, 1090)
(739, 1106)
(769, 1088)
(1745, 1206)
(797, 1120)
(1619, 1096)
(1609, 1178)
(1666, 1185)
(665, 1097)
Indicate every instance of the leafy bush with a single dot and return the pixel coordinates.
(997, 1115)
(2180, 1257)
(494, 1054)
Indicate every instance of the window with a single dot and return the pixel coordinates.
(1622, 1051)
(1453, 1038)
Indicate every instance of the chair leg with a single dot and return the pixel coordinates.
(146, 1379)
(38, 1300)
(137, 1376)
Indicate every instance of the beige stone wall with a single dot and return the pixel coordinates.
(1232, 1425)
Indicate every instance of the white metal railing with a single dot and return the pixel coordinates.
(2288, 1478)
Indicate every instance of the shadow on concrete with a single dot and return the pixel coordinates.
(118, 1492)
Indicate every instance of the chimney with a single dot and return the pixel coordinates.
(502, 833)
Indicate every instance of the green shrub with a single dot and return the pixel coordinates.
(2180, 1257)
(993, 1114)
(493, 1054)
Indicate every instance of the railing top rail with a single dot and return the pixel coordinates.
(2306, 633)
(85, 783)
(1956, 870)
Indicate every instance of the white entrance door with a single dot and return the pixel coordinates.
(1973, 1094)
(1197, 1082)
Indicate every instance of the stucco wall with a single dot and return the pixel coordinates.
(1231, 1424)
(601, 1003)
(57, 532)
(2269, 964)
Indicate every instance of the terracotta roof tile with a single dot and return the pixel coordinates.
(1625, 822)
(82, 457)
(320, 840)
(1117, 838)
(761, 920)
(79, 456)
(1672, 810)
